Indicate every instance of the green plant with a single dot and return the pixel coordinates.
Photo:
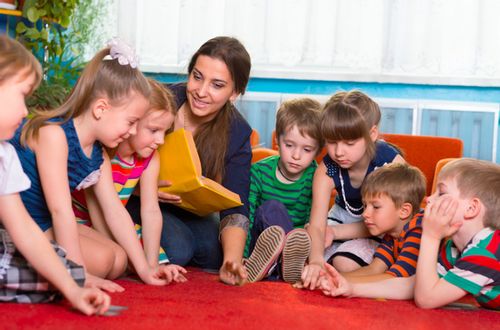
(46, 36)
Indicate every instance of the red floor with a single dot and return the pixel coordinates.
(205, 303)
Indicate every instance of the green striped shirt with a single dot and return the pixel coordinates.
(296, 196)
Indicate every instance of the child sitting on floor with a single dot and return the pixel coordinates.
(349, 126)
(136, 162)
(28, 262)
(281, 192)
(391, 196)
(465, 207)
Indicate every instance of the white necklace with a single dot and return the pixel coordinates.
(348, 207)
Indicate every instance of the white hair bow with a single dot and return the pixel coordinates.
(122, 52)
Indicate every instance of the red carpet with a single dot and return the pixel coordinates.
(205, 303)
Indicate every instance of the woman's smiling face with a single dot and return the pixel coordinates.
(209, 87)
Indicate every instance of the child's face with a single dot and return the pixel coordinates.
(296, 151)
(151, 132)
(448, 186)
(346, 153)
(13, 92)
(118, 123)
(382, 216)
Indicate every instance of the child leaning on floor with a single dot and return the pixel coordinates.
(391, 197)
(466, 208)
(136, 161)
(280, 194)
(29, 265)
(62, 150)
(350, 128)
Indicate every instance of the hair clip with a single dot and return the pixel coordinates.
(122, 52)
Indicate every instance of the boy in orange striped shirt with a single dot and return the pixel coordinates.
(391, 197)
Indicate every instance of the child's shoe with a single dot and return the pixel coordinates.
(295, 253)
(267, 250)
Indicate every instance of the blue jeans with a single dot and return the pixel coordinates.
(270, 213)
(186, 238)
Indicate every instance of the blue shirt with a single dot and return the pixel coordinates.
(384, 153)
(79, 168)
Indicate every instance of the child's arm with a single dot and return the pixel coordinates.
(51, 150)
(322, 189)
(96, 214)
(151, 217)
(349, 231)
(35, 247)
(430, 290)
(375, 271)
(334, 284)
(122, 227)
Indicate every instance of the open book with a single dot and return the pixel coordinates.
(180, 164)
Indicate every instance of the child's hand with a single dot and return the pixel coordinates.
(311, 275)
(166, 197)
(89, 301)
(329, 235)
(92, 281)
(173, 273)
(438, 217)
(333, 284)
(233, 273)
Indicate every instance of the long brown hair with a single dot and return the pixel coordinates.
(212, 138)
(100, 78)
(14, 58)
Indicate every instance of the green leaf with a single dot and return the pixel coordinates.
(44, 34)
(32, 14)
(21, 28)
(32, 33)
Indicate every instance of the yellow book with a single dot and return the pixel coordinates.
(180, 164)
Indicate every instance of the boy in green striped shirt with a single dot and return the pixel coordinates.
(281, 194)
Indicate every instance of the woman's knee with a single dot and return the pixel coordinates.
(177, 241)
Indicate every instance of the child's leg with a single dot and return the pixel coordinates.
(354, 254)
(270, 213)
(265, 253)
(103, 257)
(20, 282)
(295, 253)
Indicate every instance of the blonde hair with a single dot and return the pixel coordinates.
(479, 179)
(14, 58)
(100, 78)
(402, 183)
(350, 116)
(161, 99)
(303, 113)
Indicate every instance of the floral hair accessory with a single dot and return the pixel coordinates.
(122, 52)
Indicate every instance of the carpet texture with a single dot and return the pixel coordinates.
(203, 302)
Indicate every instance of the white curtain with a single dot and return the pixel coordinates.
(406, 41)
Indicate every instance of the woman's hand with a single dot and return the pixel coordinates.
(166, 197)
(92, 281)
(233, 273)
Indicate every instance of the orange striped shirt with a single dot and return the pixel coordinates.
(401, 254)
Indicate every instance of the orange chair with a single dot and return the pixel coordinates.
(425, 152)
(439, 166)
(254, 139)
(261, 153)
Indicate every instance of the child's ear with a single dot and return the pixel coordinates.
(99, 107)
(405, 211)
(374, 133)
(473, 208)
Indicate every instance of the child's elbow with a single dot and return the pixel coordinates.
(423, 301)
